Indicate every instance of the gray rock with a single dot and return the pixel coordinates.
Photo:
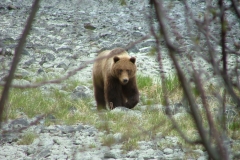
(43, 154)
(45, 141)
(30, 150)
(117, 137)
(29, 62)
(48, 57)
(90, 131)
(202, 158)
(18, 123)
(198, 151)
(51, 118)
(25, 52)
(62, 65)
(109, 155)
(147, 154)
(80, 127)
(121, 108)
(81, 92)
(8, 137)
(168, 151)
(40, 70)
(67, 129)
(132, 154)
(66, 50)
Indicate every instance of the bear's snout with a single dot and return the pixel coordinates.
(125, 81)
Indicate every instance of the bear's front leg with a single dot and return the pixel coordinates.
(99, 96)
(131, 92)
(113, 94)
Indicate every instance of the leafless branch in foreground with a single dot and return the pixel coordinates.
(17, 56)
(74, 71)
(216, 136)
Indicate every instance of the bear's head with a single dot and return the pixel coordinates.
(124, 68)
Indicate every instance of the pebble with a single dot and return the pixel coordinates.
(168, 151)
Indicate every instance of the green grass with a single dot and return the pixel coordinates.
(144, 81)
(153, 93)
(27, 138)
(145, 127)
(32, 102)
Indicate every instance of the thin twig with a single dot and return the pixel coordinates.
(172, 51)
(17, 55)
(74, 71)
(235, 7)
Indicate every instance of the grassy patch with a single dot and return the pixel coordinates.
(62, 110)
(133, 127)
(144, 81)
(27, 138)
(130, 144)
(31, 102)
(153, 93)
(108, 140)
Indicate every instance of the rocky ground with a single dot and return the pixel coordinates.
(64, 35)
(82, 142)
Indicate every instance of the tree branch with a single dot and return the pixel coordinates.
(17, 56)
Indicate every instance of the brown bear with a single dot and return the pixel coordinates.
(114, 80)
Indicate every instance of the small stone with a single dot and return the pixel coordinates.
(11, 7)
(68, 129)
(48, 57)
(62, 65)
(40, 70)
(8, 137)
(44, 153)
(168, 156)
(80, 127)
(65, 50)
(198, 151)
(202, 158)
(89, 26)
(30, 150)
(118, 137)
(168, 151)
(109, 155)
(25, 52)
(29, 62)
(132, 154)
(19, 123)
(80, 92)
(51, 118)
(121, 108)
(45, 142)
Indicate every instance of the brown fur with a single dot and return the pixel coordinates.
(114, 80)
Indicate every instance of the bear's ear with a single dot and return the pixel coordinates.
(133, 59)
(116, 58)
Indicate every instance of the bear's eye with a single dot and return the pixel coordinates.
(128, 71)
(120, 71)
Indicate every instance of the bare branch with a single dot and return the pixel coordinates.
(234, 5)
(223, 36)
(172, 51)
(17, 56)
(74, 71)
